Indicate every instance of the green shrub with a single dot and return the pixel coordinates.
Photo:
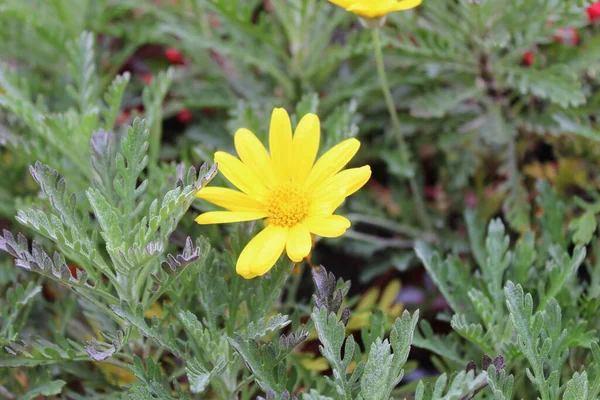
(484, 159)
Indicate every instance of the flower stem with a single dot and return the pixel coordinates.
(402, 147)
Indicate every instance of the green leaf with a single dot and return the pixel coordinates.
(174, 266)
(461, 386)
(528, 327)
(497, 261)
(163, 217)
(332, 335)
(577, 125)
(199, 377)
(44, 388)
(376, 376)
(309, 103)
(447, 275)
(109, 218)
(524, 259)
(445, 346)
(130, 164)
(211, 353)
(113, 98)
(82, 68)
(476, 231)
(472, 332)
(135, 316)
(152, 383)
(15, 313)
(552, 220)
(577, 387)
(153, 98)
(383, 370)
(104, 151)
(259, 329)
(66, 226)
(556, 83)
(263, 360)
(584, 228)
(441, 101)
(561, 268)
(34, 352)
(501, 384)
(314, 395)
(37, 260)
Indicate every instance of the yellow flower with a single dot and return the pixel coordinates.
(295, 194)
(376, 8)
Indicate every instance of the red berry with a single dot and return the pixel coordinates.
(528, 58)
(174, 56)
(593, 12)
(147, 78)
(184, 116)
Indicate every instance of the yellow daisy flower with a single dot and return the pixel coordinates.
(295, 194)
(376, 8)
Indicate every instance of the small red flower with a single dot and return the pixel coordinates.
(568, 35)
(528, 59)
(184, 116)
(174, 56)
(147, 77)
(593, 12)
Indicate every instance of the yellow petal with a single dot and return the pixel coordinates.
(368, 300)
(298, 243)
(406, 4)
(370, 9)
(262, 252)
(318, 364)
(346, 182)
(240, 175)
(342, 3)
(331, 226)
(252, 153)
(390, 293)
(280, 143)
(306, 145)
(325, 206)
(225, 217)
(229, 199)
(332, 162)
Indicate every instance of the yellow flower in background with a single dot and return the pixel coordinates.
(376, 8)
(391, 309)
(295, 194)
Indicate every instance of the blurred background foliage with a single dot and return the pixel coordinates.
(494, 96)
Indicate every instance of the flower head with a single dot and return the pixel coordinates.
(593, 12)
(296, 194)
(376, 8)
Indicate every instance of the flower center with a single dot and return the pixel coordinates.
(287, 205)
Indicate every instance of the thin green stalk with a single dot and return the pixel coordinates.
(233, 305)
(385, 224)
(402, 147)
(98, 304)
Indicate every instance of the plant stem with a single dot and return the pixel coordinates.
(98, 304)
(402, 147)
(233, 305)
